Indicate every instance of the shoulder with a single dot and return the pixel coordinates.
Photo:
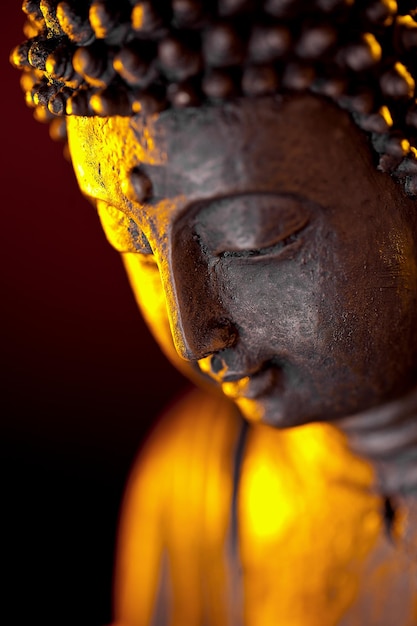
(194, 427)
(184, 466)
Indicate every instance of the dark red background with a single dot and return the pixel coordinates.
(81, 378)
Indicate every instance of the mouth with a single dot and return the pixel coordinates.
(241, 386)
(256, 392)
(251, 387)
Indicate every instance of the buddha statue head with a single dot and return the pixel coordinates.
(256, 165)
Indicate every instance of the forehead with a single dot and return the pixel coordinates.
(274, 145)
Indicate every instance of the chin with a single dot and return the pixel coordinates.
(278, 413)
(270, 412)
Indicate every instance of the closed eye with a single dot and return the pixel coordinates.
(271, 248)
(252, 225)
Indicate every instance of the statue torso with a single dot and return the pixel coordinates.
(256, 527)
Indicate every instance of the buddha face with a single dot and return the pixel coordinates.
(272, 260)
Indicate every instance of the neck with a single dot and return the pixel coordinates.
(386, 435)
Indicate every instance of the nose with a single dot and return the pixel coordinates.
(230, 365)
(215, 366)
(199, 320)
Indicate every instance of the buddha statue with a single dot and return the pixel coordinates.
(256, 166)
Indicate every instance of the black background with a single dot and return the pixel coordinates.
(81, 379)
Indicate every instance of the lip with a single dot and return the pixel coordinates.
(250, 387)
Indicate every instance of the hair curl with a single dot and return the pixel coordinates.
(122, 57)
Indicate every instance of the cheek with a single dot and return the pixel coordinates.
(368, 320)
(390, 289)
(149, 294)
(275, 303)
(288, 305)
(147, 288)
(332, 305)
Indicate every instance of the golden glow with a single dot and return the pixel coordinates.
(96, 101)
(407, 21)
(303, 500)
(386, 115)
(235, 389)
(137, 17)
(96, 23)
(374, 46)
(391, 9)
(15, 57)
(309, 527)
(179, 501)
(136, 106)
(149, 142)
(205, 366)
(406, 76)
(405, 145)
(266, 516)
(144, 278)
(102, 161)
(115, 224)
(252, 411)
(311, 541)
(145, 281)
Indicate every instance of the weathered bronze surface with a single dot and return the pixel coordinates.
(277, 267)
(274, 261)
(280, 260)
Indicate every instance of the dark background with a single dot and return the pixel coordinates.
(81, 379)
